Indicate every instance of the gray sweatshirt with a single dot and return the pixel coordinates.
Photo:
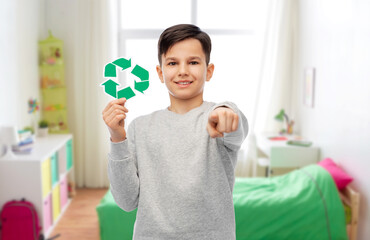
(179, 178)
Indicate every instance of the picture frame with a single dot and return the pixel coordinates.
(309, 87)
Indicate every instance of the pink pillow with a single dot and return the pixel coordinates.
(341, 178)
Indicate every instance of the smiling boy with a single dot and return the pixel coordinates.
(176, 165)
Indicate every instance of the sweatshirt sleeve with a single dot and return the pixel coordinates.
(234, 140)
(122, 172)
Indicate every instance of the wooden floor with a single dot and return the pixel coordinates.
(80, 220)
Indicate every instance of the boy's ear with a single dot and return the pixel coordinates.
(160, 73)
(210, 69)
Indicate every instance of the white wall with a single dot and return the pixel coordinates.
(21, 25)
(7, 62)
(334, 38)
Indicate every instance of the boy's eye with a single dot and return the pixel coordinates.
(193, 62)
(172, 63)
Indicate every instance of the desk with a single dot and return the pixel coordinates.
(278, 154)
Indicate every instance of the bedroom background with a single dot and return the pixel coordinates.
(331, 36)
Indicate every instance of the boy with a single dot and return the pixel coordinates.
(176, 165)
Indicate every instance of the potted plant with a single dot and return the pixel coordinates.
(43, 128)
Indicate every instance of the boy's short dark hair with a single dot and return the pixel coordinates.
(180, 32)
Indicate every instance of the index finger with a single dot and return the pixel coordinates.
(213, 117)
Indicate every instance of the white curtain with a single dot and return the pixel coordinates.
(94, 45)
(274, 90)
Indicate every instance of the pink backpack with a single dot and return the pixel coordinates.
(19, 221)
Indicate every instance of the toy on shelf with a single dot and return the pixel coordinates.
(52, 82)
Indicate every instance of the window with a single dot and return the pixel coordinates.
(236, 28)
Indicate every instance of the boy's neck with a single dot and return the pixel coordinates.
(183, 106)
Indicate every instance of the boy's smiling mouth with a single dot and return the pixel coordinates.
(183, 83)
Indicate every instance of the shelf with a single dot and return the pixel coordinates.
(64, 109)
(44, 147)
(54, 109)
(54, 88)
(57, 63)
(41, 177)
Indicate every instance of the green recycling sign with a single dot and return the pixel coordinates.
(110, 86)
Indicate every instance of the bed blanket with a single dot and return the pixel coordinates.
(303, 204)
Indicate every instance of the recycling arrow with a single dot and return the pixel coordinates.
(110, 70)
(110, 86)
(126, 93)
(141, 86)
(123, 63)
(140, 73)
(144, 76)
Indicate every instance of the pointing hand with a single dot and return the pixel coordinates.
(222, 120)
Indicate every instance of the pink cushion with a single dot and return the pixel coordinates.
(341, 178)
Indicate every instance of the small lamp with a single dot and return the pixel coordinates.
(9, 137)
(280, 117)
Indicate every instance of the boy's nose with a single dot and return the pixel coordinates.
(183, 69)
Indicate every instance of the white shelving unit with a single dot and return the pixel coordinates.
(40, 177)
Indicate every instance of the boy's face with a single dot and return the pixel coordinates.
(185, 62)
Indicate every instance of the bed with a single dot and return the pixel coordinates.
(303, 204)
